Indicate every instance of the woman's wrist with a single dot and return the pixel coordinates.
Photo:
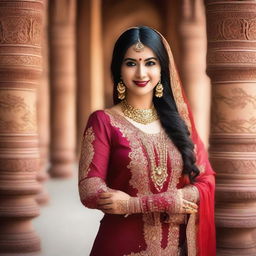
(190, 193)
(134, 205)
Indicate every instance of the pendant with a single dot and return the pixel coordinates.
(159, 176)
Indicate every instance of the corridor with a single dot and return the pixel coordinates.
(65, 226)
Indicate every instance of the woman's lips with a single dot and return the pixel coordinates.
(141, 83)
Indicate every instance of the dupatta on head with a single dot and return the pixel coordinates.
(201, 236)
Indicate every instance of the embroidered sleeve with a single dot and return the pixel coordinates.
(190, 193)
(87, 153)
(162, 202)
(90, 189)
(93, 164)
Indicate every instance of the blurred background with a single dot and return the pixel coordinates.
(55, 70)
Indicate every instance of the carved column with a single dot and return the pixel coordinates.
(90, 94)
(62, 79)
(20, 75)
(232, 68)
(43, 113)
(192, 66)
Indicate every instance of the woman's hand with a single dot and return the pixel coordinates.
(188, 207)
(114, 202)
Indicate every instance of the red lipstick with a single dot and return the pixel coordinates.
(141, 83)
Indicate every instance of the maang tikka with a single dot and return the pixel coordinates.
(138, 46)
(159, 90)
(121, 90)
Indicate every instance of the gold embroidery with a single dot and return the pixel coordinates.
(201, 168)
(191, 234)
(176, 86)
(158, 171)
(87, 153)
(140, 168)
(90, 187)
(190, 193)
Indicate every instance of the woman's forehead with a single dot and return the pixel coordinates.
(144, 53)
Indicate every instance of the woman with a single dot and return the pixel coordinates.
(142, 162)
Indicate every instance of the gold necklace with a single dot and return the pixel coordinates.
(143, 116)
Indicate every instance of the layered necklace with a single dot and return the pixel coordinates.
(143, 116)
(159, 147)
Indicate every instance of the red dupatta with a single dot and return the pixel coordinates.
(201, 228)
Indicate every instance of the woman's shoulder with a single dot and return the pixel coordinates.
(101, 114)
(98, 116)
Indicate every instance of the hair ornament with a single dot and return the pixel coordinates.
(138, 46)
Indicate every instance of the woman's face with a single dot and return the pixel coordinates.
(140, 71)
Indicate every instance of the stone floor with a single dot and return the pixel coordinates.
(65, 226)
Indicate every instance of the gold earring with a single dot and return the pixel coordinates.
(159, 90)
(121, 90)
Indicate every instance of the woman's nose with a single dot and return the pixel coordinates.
(141, 71)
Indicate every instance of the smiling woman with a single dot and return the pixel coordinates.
(140, 69)
(142, 162)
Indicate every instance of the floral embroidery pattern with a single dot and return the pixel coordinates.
(87, 153)
(90, 189)
(191, 233)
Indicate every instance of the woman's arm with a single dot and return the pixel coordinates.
(90, 190)
(170, 202)
(94, 159)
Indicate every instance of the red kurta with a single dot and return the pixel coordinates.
(118, 155)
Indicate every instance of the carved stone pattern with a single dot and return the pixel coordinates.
(242, 222)
(19, 165)
(14, 104)
(21, 75)
(238, 195)
(237, 99)
(221, 74)
(233, 148)
(234, 57)
(231, 28)
(231, 58)
(20, 30)
(239, 166)
(20, 60)
(235, 6)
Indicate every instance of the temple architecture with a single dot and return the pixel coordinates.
(55, 70)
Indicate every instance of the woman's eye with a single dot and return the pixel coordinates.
(150, 63)
(130, 63)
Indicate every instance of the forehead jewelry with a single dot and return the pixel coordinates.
(138, 46)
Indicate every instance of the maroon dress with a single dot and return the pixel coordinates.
(118, 155)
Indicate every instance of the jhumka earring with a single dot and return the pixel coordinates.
(121, 90)
(159, 90)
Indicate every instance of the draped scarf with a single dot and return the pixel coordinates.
(201, 236)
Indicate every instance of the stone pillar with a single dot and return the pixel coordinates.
(43, 113)
(172, 21)
(90, 93)
(20, 75)
(231, 28)
(62, 79)
(192, 66)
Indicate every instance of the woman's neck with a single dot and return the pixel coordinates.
(140, 102)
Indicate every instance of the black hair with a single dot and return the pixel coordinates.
(170, 119)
